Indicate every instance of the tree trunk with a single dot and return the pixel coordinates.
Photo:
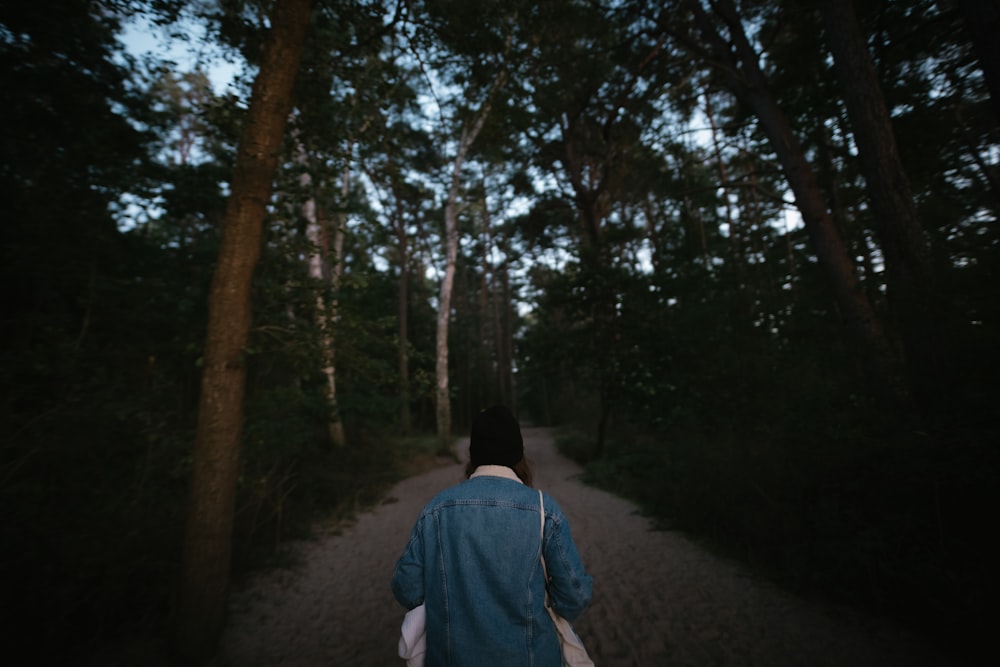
(320, 269)
(843, 218)
(336, 425)
(204, 580)
(503, 323)
(469, 135)
(492, 300)
(444, 311)
(405, 420)
(910, 283)
(483, 353)
(741, 66)
(588, 176)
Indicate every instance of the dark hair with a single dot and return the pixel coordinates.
(496, 438)
(522, 469)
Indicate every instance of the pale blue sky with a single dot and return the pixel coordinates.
(140, 38)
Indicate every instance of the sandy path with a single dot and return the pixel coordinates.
(658, 598)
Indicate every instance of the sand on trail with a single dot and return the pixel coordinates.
(659, 599)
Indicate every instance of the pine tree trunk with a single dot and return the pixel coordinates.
(204, 581)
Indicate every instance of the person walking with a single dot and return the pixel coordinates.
(474, 560)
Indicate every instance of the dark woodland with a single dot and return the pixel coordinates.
(742, 254)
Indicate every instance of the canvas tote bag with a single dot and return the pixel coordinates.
(413, 637)
(574, 653)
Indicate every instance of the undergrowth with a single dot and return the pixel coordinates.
(91, 540)
(893, 526)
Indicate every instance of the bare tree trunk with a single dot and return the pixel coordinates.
(405, 420)
(499, 313)
(444, 310)
(443, 393)
(491, 304)
(336, 425)
(506, 326)
(318, 232)
(204, 580)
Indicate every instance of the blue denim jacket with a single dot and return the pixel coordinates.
(473, 560)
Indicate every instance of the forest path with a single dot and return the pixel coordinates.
(659, 599)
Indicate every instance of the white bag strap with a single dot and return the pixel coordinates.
(573, 650)
(541, 515)
(541, 510)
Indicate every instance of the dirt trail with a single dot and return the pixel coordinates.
(659, 600)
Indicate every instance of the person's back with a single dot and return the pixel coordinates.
(474, 561)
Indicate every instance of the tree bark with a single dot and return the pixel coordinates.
(204, 580)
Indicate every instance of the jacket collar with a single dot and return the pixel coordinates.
(496, 471)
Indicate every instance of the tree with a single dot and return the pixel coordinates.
(470, 129)
(349, 77)
(912, 287)
(403, 151)
(215, 468)
(468, 136)
(595, 79)
(739, 63)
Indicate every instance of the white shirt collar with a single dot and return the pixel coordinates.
(496, 471)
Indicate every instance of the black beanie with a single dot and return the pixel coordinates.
(495, 438)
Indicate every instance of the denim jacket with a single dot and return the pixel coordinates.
(473, 560)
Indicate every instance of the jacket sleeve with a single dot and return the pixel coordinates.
(408, 580)
(570, 587)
